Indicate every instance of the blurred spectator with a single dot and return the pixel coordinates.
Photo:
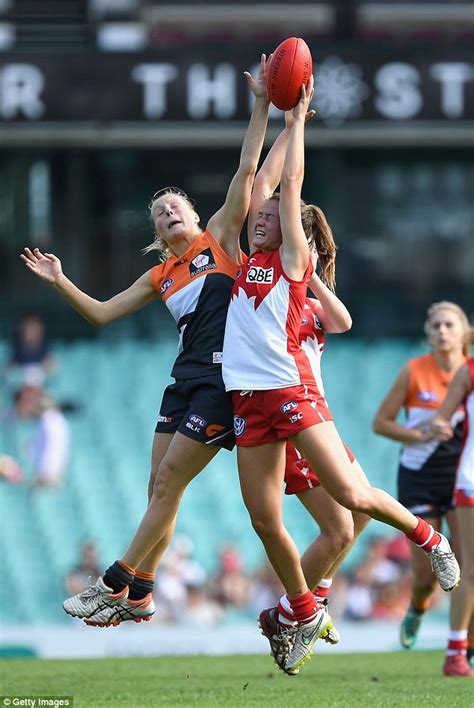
(177, 573)
(231, 586)
(10, 470)
(86, 573)
(266, 588)
(31, 351)
(47, 453)
(379, 586)
(201, 609)
(26, 401)
(51, 444)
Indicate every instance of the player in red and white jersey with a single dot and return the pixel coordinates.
(194, 280)
(461, 391)
(338, 529)
(279, 400)
(427, 466)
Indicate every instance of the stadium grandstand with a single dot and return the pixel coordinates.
(103, 102)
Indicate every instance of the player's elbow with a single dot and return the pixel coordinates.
(248, 168)
(98, 318)
(343, 325)
(377, 425)
(291, 178)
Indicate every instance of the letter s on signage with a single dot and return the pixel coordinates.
(399, 96)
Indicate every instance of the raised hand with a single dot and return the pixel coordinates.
(258, 86)
(45, 265)
(290, 119)
(307, 93)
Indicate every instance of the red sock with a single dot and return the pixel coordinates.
(304, 607)
(424, 535)
(456, 646)
(321, 592)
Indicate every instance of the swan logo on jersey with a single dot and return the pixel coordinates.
(288, 406)
(203, 261)
(427, 396)
(304, 321)
(256, 274)
(166, 284)
(240, 425)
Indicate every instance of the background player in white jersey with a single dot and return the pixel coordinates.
(321, 315)
(276, 398)
(461, 391)
(427, 466)
(194, 280)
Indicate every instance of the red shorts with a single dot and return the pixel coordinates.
(299, 476)
(463, 497)
(262, 417)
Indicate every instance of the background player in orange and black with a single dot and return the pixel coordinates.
(427, 467)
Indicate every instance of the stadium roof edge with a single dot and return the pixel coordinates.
(184, 135)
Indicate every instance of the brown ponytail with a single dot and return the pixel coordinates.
(320, 239)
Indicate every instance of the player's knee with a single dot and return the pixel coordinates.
(352, 499)
(345, 536)
(265, 527)
(164, 480)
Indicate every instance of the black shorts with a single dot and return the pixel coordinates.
(199, 408)
(426, 493)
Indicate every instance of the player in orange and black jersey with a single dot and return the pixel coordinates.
(427, 468)
(194, 280)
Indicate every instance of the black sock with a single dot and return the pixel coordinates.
(139, 588)
(116, 577)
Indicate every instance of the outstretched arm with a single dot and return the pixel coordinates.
(458, 389)
(48, 267)
(227, 223)
(294, 249)
(269, 175)
(384, 422)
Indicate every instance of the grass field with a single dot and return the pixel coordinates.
(397, 679)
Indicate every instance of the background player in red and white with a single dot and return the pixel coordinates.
(461, 391)
(325, 314)
(325, 554)
(194, 280)
(276, 398)
(427, 466)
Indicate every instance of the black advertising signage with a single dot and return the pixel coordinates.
(192, 84)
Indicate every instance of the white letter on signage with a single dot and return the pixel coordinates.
(452, 77)
(399, 95)
(204, 91)
(20, 90)
(154, 78)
